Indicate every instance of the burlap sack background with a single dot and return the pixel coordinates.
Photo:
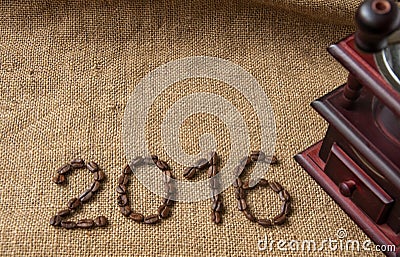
(67, 71)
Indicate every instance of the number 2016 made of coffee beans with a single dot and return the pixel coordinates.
(164, 210)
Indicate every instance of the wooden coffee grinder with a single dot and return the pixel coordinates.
(358, 161)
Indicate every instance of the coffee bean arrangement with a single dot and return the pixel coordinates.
(74, 204)
(164, 209)
(242, 187)
(212, 166)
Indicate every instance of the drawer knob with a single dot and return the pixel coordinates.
(347, 187)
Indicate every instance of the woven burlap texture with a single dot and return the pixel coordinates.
(67, 71)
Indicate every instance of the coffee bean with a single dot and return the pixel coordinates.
(68, 224)
(212, 216)
(202, 164)
(125, 210)
(137, 161)
(215, 171)
(189, 172)
(92, 166)
(77, 163)
(284, 195)
(249, 216)
(162, 165)
(136, 217)
(59, 179)
(240, 193)
(168, 202)
(286, 208)
(161, 208)
(99, 175)
(283, 206)
(212, 171)
(55, 220)
(265, 222)
(275, 186)
(122, 200)
(237, 183)
(242, 205)
(74, 203)
(213, 158)
(121, 189)
(85, 223)
(163, 211)
(100, 221)
(64, 213)
(95, 186)
(263, 183)
(86, 195)
(127, 170)
(64, 169)
(148, 161)
(216, 217)
(217, 206)
(123, 180)
(151, 219)
(279, 219)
